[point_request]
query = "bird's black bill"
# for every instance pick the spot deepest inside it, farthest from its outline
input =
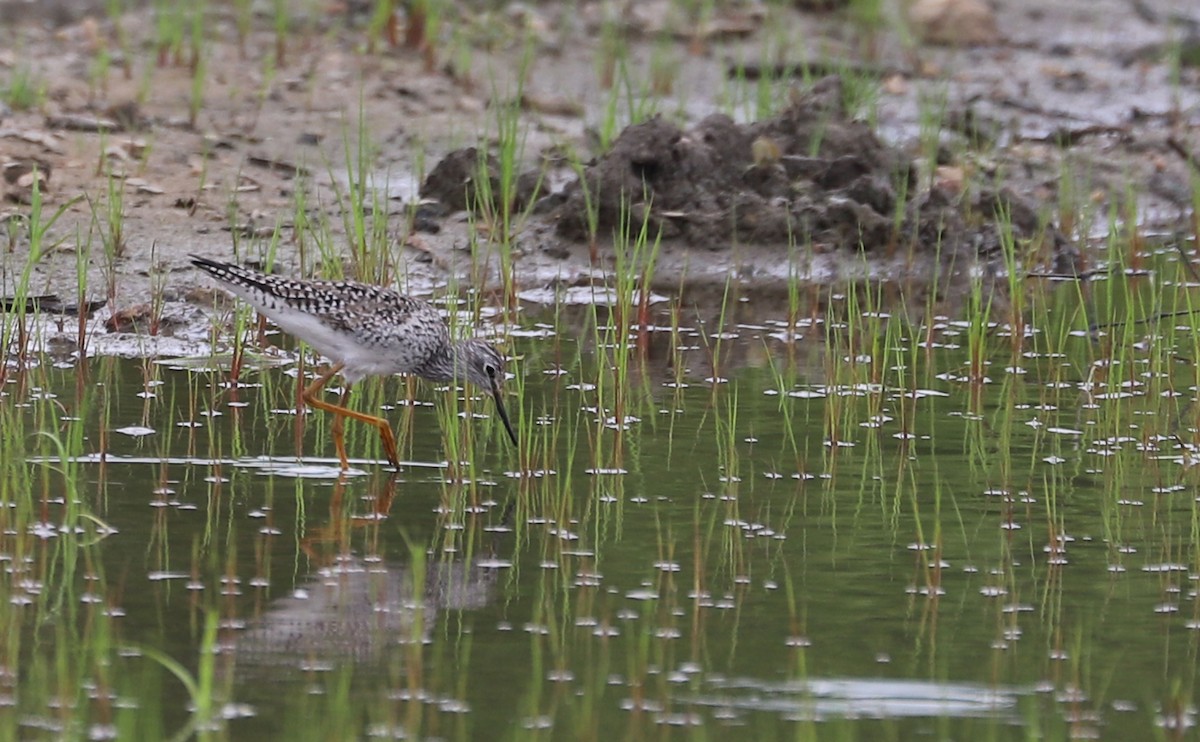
(512, 434)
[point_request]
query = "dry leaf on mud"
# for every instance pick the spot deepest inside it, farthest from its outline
(143, 186)
(954, 22)
(129, 318)
(20, 177)
(896, 85)
(662, 16)
(949, 178)
(82, 122)
(126, 149)
(551, 105)
(47, 140)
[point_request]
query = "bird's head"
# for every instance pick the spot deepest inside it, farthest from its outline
(480, 363)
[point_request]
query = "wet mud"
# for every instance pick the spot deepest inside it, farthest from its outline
(1078, 115)
(810, 178)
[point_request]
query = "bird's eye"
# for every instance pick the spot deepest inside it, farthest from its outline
(490, 370)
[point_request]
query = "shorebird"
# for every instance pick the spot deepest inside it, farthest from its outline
(365, 331)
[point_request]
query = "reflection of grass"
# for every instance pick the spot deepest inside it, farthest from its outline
(688, 550)
(616, 329)
(52, 543)
(201, 686)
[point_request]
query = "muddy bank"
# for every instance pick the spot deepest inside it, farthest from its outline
(808, 181)
(315, 160)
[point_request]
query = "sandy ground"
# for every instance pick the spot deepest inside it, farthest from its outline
(1081, 106)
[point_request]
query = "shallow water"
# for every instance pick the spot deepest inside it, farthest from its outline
(837, 537)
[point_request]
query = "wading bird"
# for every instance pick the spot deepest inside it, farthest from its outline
(365, 331)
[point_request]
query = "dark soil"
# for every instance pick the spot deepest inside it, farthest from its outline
(810, 177)
(826, 183)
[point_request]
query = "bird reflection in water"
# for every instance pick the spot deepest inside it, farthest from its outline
(356, 606)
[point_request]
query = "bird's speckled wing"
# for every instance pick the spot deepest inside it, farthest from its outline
(406, 330)
(372, 329)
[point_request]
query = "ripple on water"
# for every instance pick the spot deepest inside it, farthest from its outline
(853, 698)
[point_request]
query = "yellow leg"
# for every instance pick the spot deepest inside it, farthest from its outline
(341, 412)
(338, 430)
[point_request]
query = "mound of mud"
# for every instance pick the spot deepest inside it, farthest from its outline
(809, 177)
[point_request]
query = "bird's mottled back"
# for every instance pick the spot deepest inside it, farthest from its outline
(268, 292)
(371, 329)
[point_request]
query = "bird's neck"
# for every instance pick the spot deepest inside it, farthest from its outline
(442, 364)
